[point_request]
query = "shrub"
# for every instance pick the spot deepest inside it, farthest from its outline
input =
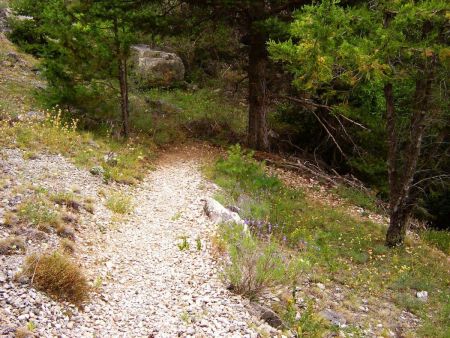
(240, 171)
(119, 203)
(12, 245)
(57, 275)
(257, 266)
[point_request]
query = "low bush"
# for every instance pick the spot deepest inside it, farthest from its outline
(39, 213)
(55, 274)
(240, 172)
(256, 266)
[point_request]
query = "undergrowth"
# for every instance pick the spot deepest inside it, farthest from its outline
(341, 249)
(55, 135)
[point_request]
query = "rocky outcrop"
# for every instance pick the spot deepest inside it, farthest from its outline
(153, 68)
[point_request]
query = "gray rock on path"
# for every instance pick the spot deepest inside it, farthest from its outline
(156, 68)
(219, 214)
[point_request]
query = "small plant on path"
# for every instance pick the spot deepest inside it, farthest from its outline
(184, 245)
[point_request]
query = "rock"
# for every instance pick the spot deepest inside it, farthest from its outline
(333, 317)
(5, 14)
(321, 286)
(219, 214)
(156, 68)
(266, 314)
(111, 159)
(97, 170)
(422, 295)
(32, 116)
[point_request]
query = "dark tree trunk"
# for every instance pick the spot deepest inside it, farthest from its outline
(123, 82)
(257, 91)
(403, 167)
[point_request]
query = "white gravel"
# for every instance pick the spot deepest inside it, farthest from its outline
(149, 287)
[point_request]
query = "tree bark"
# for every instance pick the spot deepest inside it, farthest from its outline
(257, 90)
(123, 82)
(401, 177)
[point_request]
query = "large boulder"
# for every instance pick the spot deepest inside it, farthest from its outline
(156, 68)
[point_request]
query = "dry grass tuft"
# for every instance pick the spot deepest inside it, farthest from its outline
(67, 246)
(12, 245)
(23, 332)
(65, 231)
(58, 276)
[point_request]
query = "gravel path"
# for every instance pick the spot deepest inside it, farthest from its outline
(156, 288)
(149, 286)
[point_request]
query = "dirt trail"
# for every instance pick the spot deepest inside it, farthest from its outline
(149, 286)
(156, 288)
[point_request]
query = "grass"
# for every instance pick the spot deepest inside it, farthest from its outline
(67, 199)
(12, 245)
(67, 246)
(358, 197)
(17, 82)
(184, 245)
(38, 212)
(119, 203)
(57, 275)
(56, 136)
(341, 249)
(204, 113)
(439, 239)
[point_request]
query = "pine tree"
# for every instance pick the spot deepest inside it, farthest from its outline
(402, 45)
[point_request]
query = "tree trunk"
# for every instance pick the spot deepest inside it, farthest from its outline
(257, 90)
(123, 82)
(401, 177)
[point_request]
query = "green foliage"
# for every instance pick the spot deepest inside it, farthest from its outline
(83, 45)
(184, 245)
(242, 172)
(256, 267)
(39, 213)
(335, 245)
(438, 238)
